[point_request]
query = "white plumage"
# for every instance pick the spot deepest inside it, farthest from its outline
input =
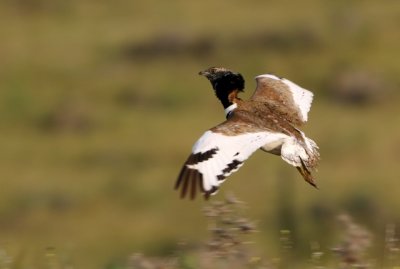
(231, 152)
(302, 97)
(234, 150)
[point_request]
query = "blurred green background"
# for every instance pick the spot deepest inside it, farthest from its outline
(100, 104)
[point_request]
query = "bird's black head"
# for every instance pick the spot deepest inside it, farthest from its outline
(224, 82)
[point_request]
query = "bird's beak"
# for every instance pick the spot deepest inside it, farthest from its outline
(204, 73)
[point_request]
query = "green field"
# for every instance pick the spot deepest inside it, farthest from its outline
(100, 104)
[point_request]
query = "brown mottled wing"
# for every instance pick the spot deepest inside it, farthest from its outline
(285, 96)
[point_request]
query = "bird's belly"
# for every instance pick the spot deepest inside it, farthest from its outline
(274, 144)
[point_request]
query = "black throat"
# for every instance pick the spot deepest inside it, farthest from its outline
(225, 84)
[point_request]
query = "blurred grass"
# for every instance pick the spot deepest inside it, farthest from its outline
(100, 103)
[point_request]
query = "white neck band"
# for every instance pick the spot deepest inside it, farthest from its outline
(229, 109)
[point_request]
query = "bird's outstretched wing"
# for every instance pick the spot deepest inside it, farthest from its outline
(286, 96)
(215, 156)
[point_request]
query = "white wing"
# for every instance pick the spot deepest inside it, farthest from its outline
(214, 157)
(285, 94)
(302, 97)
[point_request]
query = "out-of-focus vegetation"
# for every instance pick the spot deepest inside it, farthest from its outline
(100, 103)
(228, 248)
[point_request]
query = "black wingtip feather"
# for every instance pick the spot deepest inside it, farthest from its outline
(180, 178)
(192, 178)
(188, 178)
(189, 181)
(185, 180)
(193, 186)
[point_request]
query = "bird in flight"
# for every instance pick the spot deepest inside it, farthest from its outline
(268, 121)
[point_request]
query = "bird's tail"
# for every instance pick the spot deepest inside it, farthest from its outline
(312, 152)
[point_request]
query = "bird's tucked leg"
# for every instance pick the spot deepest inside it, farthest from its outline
(296, 155)
(306, 174)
